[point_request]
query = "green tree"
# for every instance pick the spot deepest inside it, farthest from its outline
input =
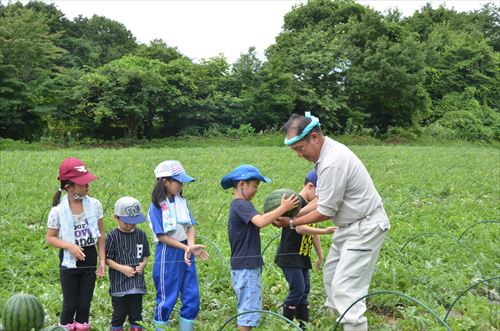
(28, 58)
(158, 50)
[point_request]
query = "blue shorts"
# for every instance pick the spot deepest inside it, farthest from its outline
(248, 288)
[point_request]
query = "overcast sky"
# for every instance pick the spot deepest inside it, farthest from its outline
(205, 28)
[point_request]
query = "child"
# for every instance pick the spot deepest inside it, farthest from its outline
(244, 238)
(75, 225)
(174, 269)
(127, 252)
(293, 257)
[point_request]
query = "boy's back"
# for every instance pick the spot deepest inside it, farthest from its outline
(244, 236)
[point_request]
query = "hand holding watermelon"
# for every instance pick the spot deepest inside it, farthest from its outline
(288, 199)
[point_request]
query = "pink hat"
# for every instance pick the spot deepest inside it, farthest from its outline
(75, 170)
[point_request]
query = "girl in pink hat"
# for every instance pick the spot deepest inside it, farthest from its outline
(75, 225)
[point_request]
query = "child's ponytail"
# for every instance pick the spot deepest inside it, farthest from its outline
(56, 199)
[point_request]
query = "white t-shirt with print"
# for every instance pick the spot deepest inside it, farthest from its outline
(83, 236)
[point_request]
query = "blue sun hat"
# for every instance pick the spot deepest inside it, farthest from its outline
(312, 177)
(307, 129)
(242, 172)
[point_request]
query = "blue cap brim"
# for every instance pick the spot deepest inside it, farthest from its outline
(133, 219)
(183, 178)
(229, 180)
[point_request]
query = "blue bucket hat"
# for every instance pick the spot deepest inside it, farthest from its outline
(242, 172)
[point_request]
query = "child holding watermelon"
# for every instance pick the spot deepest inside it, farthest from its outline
(244, 238)
(294, 257)
(174, 270)
(75, 225)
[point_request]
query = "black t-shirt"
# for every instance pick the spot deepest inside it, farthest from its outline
(127, 249)
(294, 250)
(244, 236)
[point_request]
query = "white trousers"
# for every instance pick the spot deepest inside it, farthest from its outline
(350, 264)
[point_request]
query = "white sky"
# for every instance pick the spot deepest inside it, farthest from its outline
(206, 28)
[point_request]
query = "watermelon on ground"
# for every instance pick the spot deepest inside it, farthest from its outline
(54, 328)
(22, 312)
(273, 201)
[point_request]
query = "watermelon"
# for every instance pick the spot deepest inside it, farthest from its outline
(54, 328)
(273, 201)
(22, 312)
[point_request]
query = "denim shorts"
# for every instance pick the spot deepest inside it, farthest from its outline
(247, 285)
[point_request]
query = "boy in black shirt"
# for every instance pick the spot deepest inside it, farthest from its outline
(244, 238)
(127, 252)
(294, 258)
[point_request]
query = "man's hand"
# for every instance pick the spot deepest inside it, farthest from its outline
(282, 222)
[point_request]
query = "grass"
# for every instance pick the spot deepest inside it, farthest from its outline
(426, 189)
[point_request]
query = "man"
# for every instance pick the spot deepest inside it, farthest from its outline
(345, 193)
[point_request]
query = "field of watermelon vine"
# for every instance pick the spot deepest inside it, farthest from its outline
(443, 203)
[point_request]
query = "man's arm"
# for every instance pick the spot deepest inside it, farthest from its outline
(312, 205)
(312, 217)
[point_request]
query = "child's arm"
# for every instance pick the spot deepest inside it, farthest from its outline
(101, 245)
(306, 229)
(319, 252)
(127, 270)
(267, 218)
(53, 239)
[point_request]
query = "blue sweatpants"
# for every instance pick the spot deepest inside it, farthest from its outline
(172, 276)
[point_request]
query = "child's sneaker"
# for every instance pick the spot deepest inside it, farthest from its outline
(82, 326)
(69, 326)
(136, 328)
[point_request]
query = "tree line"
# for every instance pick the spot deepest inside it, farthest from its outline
(359, 70)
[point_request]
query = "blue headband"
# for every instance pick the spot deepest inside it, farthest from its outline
(307, 129)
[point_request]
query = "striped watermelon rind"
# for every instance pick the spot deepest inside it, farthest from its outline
(54, 328)
(22, 312)
(273, 201)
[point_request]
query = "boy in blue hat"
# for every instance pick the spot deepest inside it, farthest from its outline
(244, 238)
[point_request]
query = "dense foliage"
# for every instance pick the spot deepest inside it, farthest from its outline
(359, 70)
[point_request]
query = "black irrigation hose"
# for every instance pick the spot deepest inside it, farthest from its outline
(226, 322)
(220, 208)
(43, 213)
(467, 290)
(473, 225)
(396, 293)
(219, 252)
(429, 233)
(269, 243)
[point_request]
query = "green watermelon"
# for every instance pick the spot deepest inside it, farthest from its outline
(273, 201)
(54, 328)
(22, 312)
